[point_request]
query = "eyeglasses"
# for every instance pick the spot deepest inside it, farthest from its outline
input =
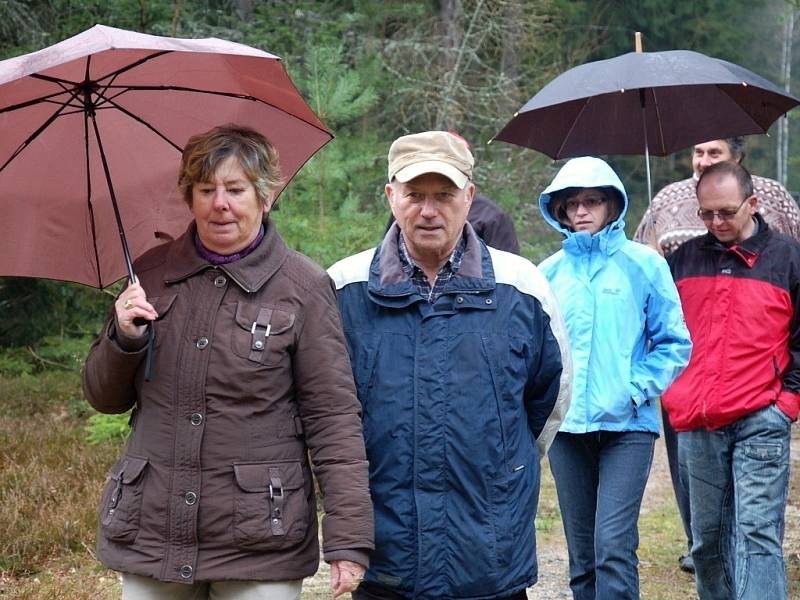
(589, 202)
(725, 214)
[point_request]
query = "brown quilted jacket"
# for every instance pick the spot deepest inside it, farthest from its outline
(250, 376)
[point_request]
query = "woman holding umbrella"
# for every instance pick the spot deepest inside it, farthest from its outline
(213, 496)
(628, 342)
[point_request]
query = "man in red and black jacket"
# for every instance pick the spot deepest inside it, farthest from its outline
(734, 404)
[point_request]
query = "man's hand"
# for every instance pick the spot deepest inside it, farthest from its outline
(345, 576)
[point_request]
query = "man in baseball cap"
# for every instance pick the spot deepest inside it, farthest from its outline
(430, 193)
(462, 368)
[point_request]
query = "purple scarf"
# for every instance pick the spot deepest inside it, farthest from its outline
(223, 259)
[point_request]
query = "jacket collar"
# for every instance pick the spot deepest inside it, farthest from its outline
(387, 278)
(249, 273)
(606, 241)
(749, 250)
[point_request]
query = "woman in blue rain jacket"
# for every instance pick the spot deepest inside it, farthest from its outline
(629, 342)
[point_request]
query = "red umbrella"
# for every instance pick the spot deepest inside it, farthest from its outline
(93, 128)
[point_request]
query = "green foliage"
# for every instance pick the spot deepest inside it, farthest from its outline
(49, 392)
(376, 70)
(35, 308)
(64, 352)
(15, 361)
(102, 428)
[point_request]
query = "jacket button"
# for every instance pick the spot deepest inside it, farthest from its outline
(202, 342)
(186, 571)
(196, 419)
(488, 301)
(220, 281)
(190, 498)
(459, 299)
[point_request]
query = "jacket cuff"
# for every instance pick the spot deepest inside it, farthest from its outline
(125, 342)
(789, 403)
(353, 555)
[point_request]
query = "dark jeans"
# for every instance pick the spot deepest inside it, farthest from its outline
(678, 474)
(600, 479)
(370, 591)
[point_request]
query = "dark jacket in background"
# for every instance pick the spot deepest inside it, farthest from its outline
(250, 374)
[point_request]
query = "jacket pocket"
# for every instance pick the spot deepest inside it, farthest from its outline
(363, 348)
(263, 335)
(491, 348)
(270, 510)
(162, 305)
(121, 502)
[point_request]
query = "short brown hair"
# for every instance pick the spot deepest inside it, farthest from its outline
(204, 152)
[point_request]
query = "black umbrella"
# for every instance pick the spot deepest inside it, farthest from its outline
(646, 103)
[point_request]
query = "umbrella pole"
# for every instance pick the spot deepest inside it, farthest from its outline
(649, 181)
(125, 252)
(646, 156)
(148, 369)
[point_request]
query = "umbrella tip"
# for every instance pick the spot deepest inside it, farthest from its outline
(637, 40)
(516, 113)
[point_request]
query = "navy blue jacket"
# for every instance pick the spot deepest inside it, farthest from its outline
(461, 398)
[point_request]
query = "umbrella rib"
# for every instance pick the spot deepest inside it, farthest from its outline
(113, 74)
(41, 99)
(139, 119)
(176, 88)
(663, 149)
(572, 127)
(723, 89)
(33, 136)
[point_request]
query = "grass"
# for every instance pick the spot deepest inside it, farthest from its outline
(51, 478)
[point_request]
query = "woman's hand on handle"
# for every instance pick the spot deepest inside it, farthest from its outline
(132, 304)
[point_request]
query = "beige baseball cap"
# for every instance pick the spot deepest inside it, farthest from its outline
(431, 152)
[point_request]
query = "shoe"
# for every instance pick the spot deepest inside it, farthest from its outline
(686, 563)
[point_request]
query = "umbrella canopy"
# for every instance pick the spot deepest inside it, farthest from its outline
(95, 125)
(646, 102)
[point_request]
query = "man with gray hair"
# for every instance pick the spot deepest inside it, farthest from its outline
(670, 221)
(462, 367)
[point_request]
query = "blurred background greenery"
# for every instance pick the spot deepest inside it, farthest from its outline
(376, 70)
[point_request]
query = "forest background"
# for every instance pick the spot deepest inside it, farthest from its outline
(372, 71)
(377, 70)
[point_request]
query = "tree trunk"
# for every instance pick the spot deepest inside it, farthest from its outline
(509, 61)
(244, 9)
(786, 75)
(451, 15)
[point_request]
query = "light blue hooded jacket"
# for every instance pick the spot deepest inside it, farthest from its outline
(622, 312)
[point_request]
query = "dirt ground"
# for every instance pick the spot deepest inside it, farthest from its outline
(658, 498)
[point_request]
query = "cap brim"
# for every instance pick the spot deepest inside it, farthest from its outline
(408, 173)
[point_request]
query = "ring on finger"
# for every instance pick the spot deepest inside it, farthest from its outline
(127, 304)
